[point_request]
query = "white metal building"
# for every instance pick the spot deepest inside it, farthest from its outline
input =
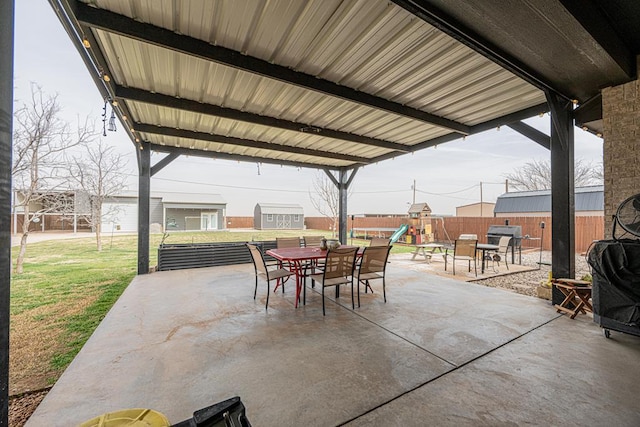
(170, 212)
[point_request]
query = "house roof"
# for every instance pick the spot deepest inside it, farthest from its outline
(340, 84)
(276, 208)
(177, 198)
(419, 208)
(188, 198)
(589, 198)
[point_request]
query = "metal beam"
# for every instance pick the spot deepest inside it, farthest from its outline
(240, 142)
(562, 191)
(163, 162)
(511, 118)
(332, 178)
(147, 33)
(481, 127)
(343, 182)
(6, 135)
(532, 133)
(434, 16)
(93, 59)
(144, 196)
(594, 20)
(589, 111)
(140, 95)
(236, 157)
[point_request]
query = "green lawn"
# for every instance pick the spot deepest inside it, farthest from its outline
(68, 287)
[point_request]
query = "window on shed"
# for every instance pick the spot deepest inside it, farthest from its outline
(296, 218)
(269, 217)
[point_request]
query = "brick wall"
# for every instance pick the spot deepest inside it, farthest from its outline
(621, 117)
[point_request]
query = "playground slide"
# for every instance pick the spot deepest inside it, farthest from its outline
(399, 232)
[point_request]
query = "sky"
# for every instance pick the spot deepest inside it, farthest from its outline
(450, 175)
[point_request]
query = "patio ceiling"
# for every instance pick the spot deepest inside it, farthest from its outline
(338, 84)
(329, 84)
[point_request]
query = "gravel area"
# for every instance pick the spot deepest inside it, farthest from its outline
(526, 282)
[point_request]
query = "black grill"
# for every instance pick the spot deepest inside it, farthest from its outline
(495, 232)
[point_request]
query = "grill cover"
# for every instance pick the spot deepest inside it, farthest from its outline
(616, 280)
(497, 231)
(505, 230)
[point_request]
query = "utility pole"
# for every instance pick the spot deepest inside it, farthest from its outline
(506, 185)
(414, 191)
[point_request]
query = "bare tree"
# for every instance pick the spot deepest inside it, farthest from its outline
(598, 173)
(326, 199)
(98, 172)
(536, 175)
(39, 142)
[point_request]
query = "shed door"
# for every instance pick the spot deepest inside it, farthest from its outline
(283, 221)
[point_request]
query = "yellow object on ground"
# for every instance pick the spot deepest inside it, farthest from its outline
(136, 417)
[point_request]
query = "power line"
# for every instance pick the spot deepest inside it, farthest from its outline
(451, 192)
(289, 190)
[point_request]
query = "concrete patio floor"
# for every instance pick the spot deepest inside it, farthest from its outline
(439, 352)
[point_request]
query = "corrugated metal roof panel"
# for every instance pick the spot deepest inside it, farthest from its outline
(372, 46)
(275, 208)
(590, 198)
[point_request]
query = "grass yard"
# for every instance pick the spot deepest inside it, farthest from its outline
(68, 287)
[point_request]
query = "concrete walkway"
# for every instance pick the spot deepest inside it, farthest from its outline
(35, 237)
(439, 352)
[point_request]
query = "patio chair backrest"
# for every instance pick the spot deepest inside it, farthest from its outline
(465, 248)
(503, 244)
(313, 241)
(258, 259)
(379, 241)
(340, 262)
(468, 237)
(287, 242)
(374, 259)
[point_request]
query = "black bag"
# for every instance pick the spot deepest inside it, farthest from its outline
(228, 413)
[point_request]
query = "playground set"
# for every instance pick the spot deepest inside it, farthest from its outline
(416, 231)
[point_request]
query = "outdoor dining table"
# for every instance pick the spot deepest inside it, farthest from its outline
(486, 247)
(298, 259)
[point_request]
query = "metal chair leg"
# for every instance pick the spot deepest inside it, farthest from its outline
(255, 291)
(384, 291)
(323, 313)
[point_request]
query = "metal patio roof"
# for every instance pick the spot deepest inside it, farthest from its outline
(337, 84)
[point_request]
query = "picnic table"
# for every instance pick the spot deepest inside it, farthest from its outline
(427, 250)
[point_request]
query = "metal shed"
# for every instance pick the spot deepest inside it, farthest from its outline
(589, 201)
(272, 216)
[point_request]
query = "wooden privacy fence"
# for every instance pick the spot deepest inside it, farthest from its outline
(588, 228)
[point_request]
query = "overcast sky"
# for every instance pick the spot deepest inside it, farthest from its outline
(446, 177)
